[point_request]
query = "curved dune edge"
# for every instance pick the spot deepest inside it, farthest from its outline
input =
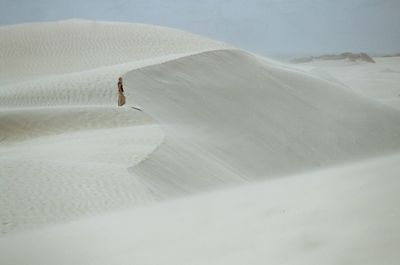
(65, 147)
(50, 176)
(229, 119)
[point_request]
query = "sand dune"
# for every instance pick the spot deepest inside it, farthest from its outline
(78, 62)
(256, 120)
(65, 146)
(40, 49)
(352, 57)
(80, 173)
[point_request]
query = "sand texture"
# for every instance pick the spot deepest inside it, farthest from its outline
(219, 156)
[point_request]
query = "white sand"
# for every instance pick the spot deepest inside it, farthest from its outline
(65, 146)
(77, 173)
(380, 80)
(255, 119)
(32, 50)
(342, 216)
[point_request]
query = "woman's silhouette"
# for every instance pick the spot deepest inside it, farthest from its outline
(121, 97)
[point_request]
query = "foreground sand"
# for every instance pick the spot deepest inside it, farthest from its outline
(235, 159)
(345, 216)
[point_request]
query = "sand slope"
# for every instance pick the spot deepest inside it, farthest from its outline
(255, 119)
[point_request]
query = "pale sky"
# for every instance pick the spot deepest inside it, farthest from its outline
(268, 27)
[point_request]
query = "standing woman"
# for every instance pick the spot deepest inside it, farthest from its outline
(121, 97)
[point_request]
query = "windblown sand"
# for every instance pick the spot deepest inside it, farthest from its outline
(234, 158)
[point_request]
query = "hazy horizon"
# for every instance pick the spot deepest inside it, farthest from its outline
(268, 27)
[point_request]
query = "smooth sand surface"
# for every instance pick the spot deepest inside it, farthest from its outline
(379, 80)
(234, 158)
(348, 215)
(256, 120)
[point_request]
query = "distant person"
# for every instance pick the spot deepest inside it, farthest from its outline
(121, 97)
